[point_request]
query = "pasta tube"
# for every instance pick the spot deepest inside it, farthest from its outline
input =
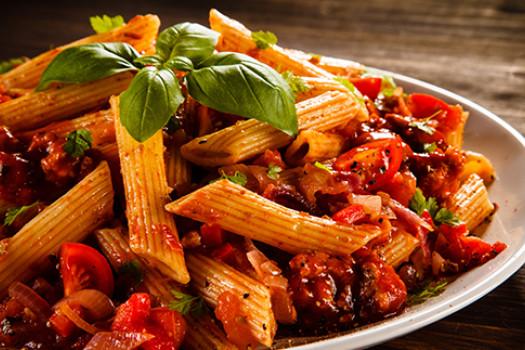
(311, 146)
(210, 278)
(202, 333)
(140, 32)
(238, 210)
(152, 230)
(248, 138)
(60, 102)
(71, 218)
(398, 249)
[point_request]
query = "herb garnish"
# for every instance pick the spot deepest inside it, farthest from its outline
(227, 82)
(238, 178)
(6, 66)
(321, 166)
(429, 147)
(77, 142)
(297, 84)
(105, 23)
(427, 290)
(422, 124)
(133, 269)
(264, 40)
(419, 204)
(14, 212)
(273, 171)
(347, 84)
(185, 303)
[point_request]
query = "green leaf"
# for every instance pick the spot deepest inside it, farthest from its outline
(445, 216)
(264, 40)
(185, 304)
(179, 63)
(6, 66)
(296, 84)
(238, 178)
(419, 204)
(423, 124)
(321, 166)
(105, 23)
(152, 60)
(429, 147)
(273, 171)
(90, 62)
(427, 290)
(133, 269)
(190, 40)
(149, 102)
(347, 84)
(14, 212)
(238, 84)
(77, 142)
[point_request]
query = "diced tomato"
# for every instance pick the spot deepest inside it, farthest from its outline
(136, 315)
(237, 329)
(84, 267)
(62, 325)
(423, 106)
(212, 235)
(376, 162)
(467, 251)
(226, 253)
(368, 86)
(401, 187)
(350, 214)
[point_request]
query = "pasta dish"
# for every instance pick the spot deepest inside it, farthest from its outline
(206, 188)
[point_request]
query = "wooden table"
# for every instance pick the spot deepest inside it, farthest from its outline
(473, 48)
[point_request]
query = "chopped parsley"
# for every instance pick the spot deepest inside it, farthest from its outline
(77, 142)
(429, 147)
(427, 290)
(133, 269)
(238, 178)
(6, 66)
(264, 40)
(105, 23)
(419, 204)
(14, 212)
(185, 303)
(321, 166)
(273, 171)
(423, 124)
(297, 84)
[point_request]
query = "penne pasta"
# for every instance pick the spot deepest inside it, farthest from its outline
(471, 202)
(211, 278)
(140, 32)
(237, 38)
(178, 169)
(71, 218)
(311, 146)
(336, 66)
(238, 210)
(152, 230)
(248, 138)
(202, 333)
(319, 86)
(60, 102)
(398, 249)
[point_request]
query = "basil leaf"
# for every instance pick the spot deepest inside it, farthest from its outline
(238, 84)
(147, 105)
(77, 142)
(6, 66)
(191, 40)
(90, 62)
(105, 23)
(264, 40)
(153, 60)
(179, 63)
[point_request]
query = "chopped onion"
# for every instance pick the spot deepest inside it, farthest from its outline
(117, 340)
(30, 299)
(371, 204)
(97, 303)
(408, 215)
(67, 311)
(437, 263)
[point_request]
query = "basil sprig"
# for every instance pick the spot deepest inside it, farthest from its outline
(228, 82)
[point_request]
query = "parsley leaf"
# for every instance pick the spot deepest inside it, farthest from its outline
(133, 269)
(429, 147)
(77, 142)
(105, 23)
(423, 124)
(14, 212)
(264, 40)
(347, 84)
(185, 303)
(321, 166)
(273, 171)
(238, 178)
(6, 66)
(297, 84)
(419, 204)
(426, 291)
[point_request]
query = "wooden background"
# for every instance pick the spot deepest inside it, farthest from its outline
(473, 48)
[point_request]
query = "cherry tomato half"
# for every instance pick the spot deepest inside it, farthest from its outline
(423, 106)
(368, 86)
(376, 162)
(82, 266)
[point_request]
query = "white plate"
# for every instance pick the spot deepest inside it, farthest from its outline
(505, 147)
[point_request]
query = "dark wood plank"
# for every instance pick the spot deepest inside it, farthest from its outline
(475, 48)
